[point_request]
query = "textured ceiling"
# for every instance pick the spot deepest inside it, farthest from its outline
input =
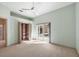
(40, 7)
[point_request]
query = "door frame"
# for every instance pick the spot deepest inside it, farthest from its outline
(20, 33)
(49, 32)
(49, 23)
(4, 22)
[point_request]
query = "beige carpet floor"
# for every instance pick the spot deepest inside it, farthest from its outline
(2, 43)
(37, 50)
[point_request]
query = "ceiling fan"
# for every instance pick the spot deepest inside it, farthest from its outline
(32, 8)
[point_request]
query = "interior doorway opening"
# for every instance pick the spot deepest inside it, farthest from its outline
(44, 32)
(24, 32)
(3, 33)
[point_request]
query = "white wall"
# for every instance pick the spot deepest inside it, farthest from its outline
(22, 20)
(77, 27)
(12, 31)
(12, 25)
(13, 28)
(62, 25)
(4, 12)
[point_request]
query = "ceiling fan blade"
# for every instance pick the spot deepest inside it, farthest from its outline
(25, 9)
(20, 10)
(30, 8)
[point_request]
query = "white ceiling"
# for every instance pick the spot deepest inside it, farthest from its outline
(40, 7)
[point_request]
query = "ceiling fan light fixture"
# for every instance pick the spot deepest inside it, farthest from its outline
(32, 8)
